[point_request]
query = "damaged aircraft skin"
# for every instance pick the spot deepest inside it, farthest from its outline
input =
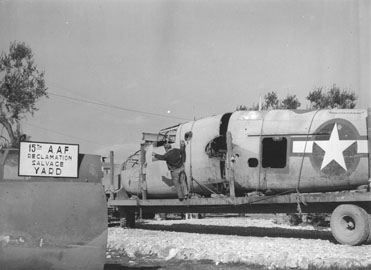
(266, 151)
(52, 223)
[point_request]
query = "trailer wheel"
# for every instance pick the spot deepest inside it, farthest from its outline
(350, 224)
(368, 241)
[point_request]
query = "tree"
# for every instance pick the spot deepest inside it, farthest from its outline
(254, 107)
(21, 86)
(319, 99)
(271, 101)
(290, 102)
(333, 98)
(241, 108)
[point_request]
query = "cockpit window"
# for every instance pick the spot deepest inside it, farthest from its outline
(167, 136)
(131, 161)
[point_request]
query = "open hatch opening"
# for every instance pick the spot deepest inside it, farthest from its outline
(217, 147)
(274, 152)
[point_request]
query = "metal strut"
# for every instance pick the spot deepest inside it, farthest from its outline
(298, 195)
(305, 148)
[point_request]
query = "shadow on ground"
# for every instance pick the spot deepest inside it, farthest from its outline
(112, 266)
(188, 265)
(240, 231)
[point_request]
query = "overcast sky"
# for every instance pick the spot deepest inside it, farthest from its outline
(158, 63)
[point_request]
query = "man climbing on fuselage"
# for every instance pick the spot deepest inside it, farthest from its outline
(175, 159)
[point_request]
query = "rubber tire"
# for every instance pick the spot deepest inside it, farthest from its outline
(368, 241)
(359, 234)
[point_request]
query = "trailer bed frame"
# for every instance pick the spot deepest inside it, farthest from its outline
(324, 202)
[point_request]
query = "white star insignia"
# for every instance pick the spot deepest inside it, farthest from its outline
(334, 149)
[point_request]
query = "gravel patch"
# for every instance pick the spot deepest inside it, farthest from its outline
(278, 247)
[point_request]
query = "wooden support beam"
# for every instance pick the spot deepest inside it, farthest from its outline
(142, 176)
(112, 175)
(152, 137)
(369, 145)
(230, 171)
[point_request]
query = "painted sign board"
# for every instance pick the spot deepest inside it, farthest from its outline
(48, 159)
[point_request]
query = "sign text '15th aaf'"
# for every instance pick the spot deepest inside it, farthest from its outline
(48, 159)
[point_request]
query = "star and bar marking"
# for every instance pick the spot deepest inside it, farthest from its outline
(333, 148)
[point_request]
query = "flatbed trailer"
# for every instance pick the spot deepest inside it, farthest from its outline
(287, 203)
(350, 219)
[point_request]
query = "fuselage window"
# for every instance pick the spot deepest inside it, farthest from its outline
(253, 162)
(274, 152)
